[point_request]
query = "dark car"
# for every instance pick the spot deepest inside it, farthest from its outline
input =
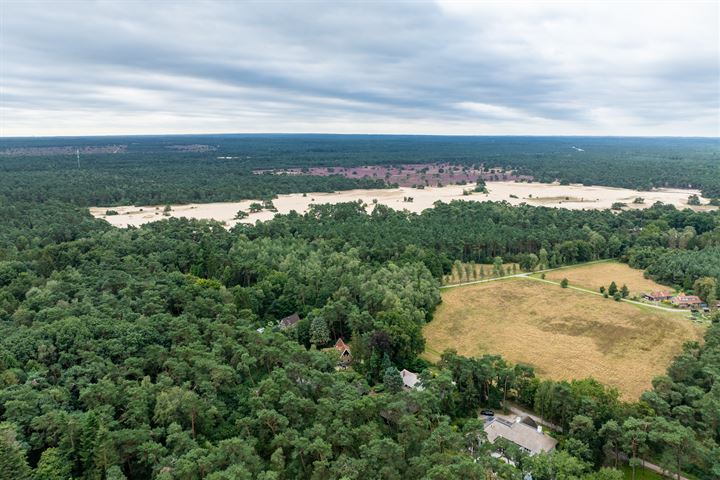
(487, 413)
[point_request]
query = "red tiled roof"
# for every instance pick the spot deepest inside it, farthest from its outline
(341, 346)
(687, 299)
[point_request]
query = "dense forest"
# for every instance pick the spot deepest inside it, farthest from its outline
(156, 170)
(152, 352)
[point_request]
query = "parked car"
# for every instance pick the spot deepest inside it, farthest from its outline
(487, 413)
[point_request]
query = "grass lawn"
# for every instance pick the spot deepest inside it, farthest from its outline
(601, 274)
(641, 474)
(563, 333)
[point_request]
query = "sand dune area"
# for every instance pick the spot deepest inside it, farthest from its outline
(412, 199)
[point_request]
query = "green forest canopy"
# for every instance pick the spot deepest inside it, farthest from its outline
(136, 353)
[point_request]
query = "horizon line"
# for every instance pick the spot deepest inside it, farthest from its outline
(217, 134)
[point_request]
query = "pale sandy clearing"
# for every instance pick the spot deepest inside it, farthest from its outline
(550, 195)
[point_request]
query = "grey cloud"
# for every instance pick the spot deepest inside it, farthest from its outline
(324, 66)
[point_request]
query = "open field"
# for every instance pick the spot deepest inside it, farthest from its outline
(563, 333)
(549, 195)
(596, 275)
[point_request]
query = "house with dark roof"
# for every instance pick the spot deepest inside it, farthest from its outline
(529, 438)
(288, 322)
(657, 296)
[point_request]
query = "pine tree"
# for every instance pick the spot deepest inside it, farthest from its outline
(624, 292)
(392, 380)
(612, 289)
(114, 473)
(319, 332)
(12, 457)
(543, 258)
(53, 465)
(498, 266)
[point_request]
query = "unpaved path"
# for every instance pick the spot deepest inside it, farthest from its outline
(530, 276)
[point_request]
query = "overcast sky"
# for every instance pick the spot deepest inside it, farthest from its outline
(557, 68)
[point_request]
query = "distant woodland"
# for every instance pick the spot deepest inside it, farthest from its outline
(153, 352)
(174, 169)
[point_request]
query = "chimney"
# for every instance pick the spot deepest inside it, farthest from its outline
(539, 428)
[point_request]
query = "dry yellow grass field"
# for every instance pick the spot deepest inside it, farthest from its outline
(563, 333)
(597, 275)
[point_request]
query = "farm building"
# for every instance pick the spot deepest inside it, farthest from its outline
(686, 301)
(288, 322)
(657, 296)
(410, 380)
(530, 439)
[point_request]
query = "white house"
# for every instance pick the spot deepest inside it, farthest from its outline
(529, 438)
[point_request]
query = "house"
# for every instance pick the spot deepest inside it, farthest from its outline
(530, 439)
(288, 322)
(686, 301)
(410, 380)
(657, 296)
(344, 350)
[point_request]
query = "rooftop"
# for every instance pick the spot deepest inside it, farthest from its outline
(289, 321)
(521, 434)
(410, 379)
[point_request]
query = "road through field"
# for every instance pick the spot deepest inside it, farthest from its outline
(529, 275)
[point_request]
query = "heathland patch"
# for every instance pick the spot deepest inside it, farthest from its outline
(562, 333)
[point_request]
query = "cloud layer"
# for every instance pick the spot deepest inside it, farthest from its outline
(562, 68)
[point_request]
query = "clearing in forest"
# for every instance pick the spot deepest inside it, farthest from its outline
(596, 275)
(562, 333)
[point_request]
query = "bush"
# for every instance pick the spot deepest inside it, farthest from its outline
(564, 283)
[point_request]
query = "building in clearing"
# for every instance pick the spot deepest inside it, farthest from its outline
(410, 380)
(658, 296)
(344, 350)
(686, 301)
(530, 439)
(288, 322)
